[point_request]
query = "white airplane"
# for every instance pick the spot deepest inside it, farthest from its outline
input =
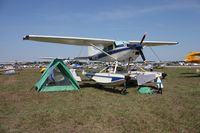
(65, 60)
(108, 50)
(8, 70)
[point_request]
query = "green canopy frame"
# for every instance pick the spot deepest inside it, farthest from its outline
(41, 86)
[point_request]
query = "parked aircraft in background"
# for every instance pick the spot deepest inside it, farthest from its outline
(8, 70)
(192, 57)
(10, 67)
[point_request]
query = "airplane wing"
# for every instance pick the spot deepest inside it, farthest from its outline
(52, 58)
(70, 40)
(154, 43)
(4, 70)
(79, 59)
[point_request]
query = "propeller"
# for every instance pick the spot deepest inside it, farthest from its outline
(142, 55)
(143, 38)
(139, 47)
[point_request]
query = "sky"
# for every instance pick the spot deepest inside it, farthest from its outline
(163, 20)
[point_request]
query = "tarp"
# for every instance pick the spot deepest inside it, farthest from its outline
(145, 90)
(152, 87)
(57, 77)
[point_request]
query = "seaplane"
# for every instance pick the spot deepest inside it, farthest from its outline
(106, 50)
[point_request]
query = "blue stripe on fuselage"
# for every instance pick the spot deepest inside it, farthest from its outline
(116, 78)
(101, 55)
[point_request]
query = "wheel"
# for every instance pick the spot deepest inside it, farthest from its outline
(123, 91)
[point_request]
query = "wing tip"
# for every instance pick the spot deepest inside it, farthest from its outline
(26, 37)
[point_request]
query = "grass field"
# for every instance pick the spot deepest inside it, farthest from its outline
(93, 110)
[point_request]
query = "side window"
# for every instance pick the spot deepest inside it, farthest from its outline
(121, 45)
(110, 47)
(137, 53)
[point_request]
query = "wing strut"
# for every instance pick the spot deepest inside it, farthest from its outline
(116, 61)
(103, 51)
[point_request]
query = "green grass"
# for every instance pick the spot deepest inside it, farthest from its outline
(94, 110)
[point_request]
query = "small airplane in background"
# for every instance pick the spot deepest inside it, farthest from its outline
(192, 57)
(8, 70)
(65, 60)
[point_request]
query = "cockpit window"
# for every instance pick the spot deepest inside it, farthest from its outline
(120, 43)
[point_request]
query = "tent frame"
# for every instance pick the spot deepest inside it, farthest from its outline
(56, 63)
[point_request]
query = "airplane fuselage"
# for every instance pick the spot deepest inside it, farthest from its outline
(122, 54)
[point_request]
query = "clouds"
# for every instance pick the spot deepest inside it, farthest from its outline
(129, 12)
(124, 12)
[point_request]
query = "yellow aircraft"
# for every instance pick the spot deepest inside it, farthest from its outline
(193, 57)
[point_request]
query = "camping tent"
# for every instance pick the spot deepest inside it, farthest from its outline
(57, 77)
